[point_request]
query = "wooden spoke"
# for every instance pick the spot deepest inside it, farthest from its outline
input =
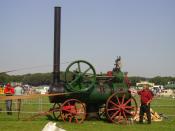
(128, 112)
(113, 103)
(129, 107)
(119, 118)
(124, 115)
(129, 100)
(115, 114)
(118, 100)
(123, 98)
(76, 119)
(70, 119)
(113, 109)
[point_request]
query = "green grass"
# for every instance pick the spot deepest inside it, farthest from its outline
(11, 123)
(168, 125)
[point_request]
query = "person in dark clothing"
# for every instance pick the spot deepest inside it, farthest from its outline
(117, 65)
(146, 97)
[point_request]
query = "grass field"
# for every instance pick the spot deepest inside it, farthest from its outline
(11, 123)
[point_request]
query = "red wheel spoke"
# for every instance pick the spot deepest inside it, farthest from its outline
(128, 101)
(112, 109)
(128, 112)
(129, 107)
(118, 100)
(113, 103)
(76, 119)
(115, 114)
(70, 119)
(119, 117)
(68, 110)
(75, 108)
(124, 115)
(63, 117)
(123, 98)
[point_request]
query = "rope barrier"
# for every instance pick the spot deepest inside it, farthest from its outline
(31, 96)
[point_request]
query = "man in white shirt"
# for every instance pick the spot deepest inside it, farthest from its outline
(18, 91)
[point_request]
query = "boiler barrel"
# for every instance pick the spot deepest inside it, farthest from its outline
(100, 94)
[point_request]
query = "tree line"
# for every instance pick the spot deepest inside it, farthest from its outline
(46, 78)
(158, 80)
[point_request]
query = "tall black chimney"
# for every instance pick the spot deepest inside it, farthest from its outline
(57, 39)
(57, 85)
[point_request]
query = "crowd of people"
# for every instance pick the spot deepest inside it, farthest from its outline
(10, 91)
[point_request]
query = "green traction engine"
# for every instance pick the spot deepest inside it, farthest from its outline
(88, 95)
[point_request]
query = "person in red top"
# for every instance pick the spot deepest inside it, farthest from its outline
(146, 97)
(9, 91)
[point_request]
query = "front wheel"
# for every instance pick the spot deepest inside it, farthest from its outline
(73, 110)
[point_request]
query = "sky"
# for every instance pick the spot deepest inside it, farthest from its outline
(142, 32)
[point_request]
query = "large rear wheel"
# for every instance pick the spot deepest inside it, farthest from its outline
(121, 108)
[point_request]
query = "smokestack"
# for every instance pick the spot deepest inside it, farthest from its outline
(57, 39)
(57, 85)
